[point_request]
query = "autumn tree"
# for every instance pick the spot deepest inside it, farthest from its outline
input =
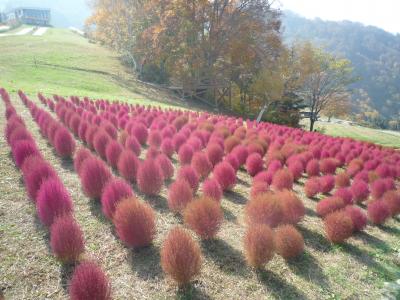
(338, 107)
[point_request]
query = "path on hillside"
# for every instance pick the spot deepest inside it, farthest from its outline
(38, 32)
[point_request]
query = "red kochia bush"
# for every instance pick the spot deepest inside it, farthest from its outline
(282, 179)
(89, 282)
(328, 165)
(128, 165)
(179, 195)
(266, 209)
(36, 176)
(20, 133)
(293, 208)
(392, 199)
(22, 149)
(327, 183)
(357, 216)
(212, 189)
(189, 174)
(378, 212)
(94, 176)
(64, 143)
(241, 153)
(254, 164)
(258, 187)
(312, 168)
(312, 187)
(150, 177)
(289, 243)
(154, 139)
(201, 164)
(114, 191)
(165, 165)
(133, 144)
(342, 180)
(297, 169)
(180, 256)
(345, 194)
(100, 142)
(31, 162)
(258, 245)
(233, 161)
(360, 190)
(378, 188)
(225, 175)
(204, 216)
(139, 131)
(214, 153)
(135, 222)
(338, 226)
(185, 154)
(66, 239)
(167, 147)
(113, 151)
(329, 205)
(80, 156)
(53, 200)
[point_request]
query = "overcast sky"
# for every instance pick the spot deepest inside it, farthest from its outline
(381, 13)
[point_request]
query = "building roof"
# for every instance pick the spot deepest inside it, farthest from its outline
(32, 8)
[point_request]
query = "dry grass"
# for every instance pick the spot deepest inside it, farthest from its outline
(355, 270)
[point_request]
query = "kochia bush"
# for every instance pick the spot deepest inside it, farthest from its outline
(150, 177)
(166, 166)
(212, 189)
(312, 187)
(289, 242)
(266, 209)
(293, 208)
(338, 226)
(378, 211)
(128, 165)
(283, 179)
(201, 164)
(113, 151)
(329, 205)
(358, 217)
(180, 194)
(22, 149)
(225, 175)
(64, 143)
(114, 191)
(254, 164)
(80, 156)
(258, 245)
(94, 176)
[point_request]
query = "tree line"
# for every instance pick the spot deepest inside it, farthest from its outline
(202, 44)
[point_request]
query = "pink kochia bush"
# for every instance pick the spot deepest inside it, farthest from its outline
(345, 194)
(35, 176)
(113, 151)
(327, 183)
(360, 190)
(212, 189)
(201, 164)
(189, 174)
(312, 187)
(378, 188)
(312, 168)
(66, 239)
(328, 165)
(80, 156)
(64, 143)
(53, 200)
(283, 179)
(135, 222)
(94, 176)
(378, 212)
(329, 205)
(185, 154)
(179, 195)
(166, 166)
(392, 199)
(357, 216)
(258, 187)
(128, 165)
(225, 175)
(89, 282)
(214, 153)
(22, 149)
(254, 164)
(150, 177)
(100, 142)
(114, 191)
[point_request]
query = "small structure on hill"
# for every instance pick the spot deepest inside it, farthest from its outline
(30, 15)
(3, 17)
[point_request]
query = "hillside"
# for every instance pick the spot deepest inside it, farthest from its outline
(374, 53)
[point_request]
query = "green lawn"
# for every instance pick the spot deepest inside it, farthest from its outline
(65, 63)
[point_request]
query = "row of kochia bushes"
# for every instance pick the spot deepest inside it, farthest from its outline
(54, 205)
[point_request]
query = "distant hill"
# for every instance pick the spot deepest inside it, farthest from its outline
(375, 55)
(64, 13)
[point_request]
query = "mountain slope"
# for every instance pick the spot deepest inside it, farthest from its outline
(375, 55)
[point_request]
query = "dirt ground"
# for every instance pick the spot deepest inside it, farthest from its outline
(354, 270)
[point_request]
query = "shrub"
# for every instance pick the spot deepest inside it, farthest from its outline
(258, 187)
(114, 191)
(327, 183)
(64, 143)
(180, 256)
(214, 153)
(266, 209)
(31, 162)
(66, 239)
(233, 161)
(342, 180)
(392, 199)
(132, 144)
(89, 135)
(185, 154)
(80, 156)
(378, 211)
(328, 165)
(254, 164)
(22, 149)
(128, 165)
(189, 174)
(241, 153)
(212, 189)
(338, 226)
(166, 166)
(113, 151)
(225, 175)
(329, 205)
(100, 142)
(139, 131)
(53, 200)
(360, 190)
(292, 206)
(134, 222)
(230, 143)
(19, 134)
(312, 187)
(94, 176)
(204, 216)
(89, 282)
(167, 147)
(258, 245)
(152, 153)
(357, 216)
(201, 164)
(296, 168)
(36, 176)
(289, 243)
(378, 188)
(312, 168)
(155, 139)
(179, 195)
(345, 194)
(150, 177)
(283, 179)
(178, 140)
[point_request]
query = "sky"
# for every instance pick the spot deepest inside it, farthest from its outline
(384, 14)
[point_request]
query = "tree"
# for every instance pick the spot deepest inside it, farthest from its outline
(325, 78)
(338, 107)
